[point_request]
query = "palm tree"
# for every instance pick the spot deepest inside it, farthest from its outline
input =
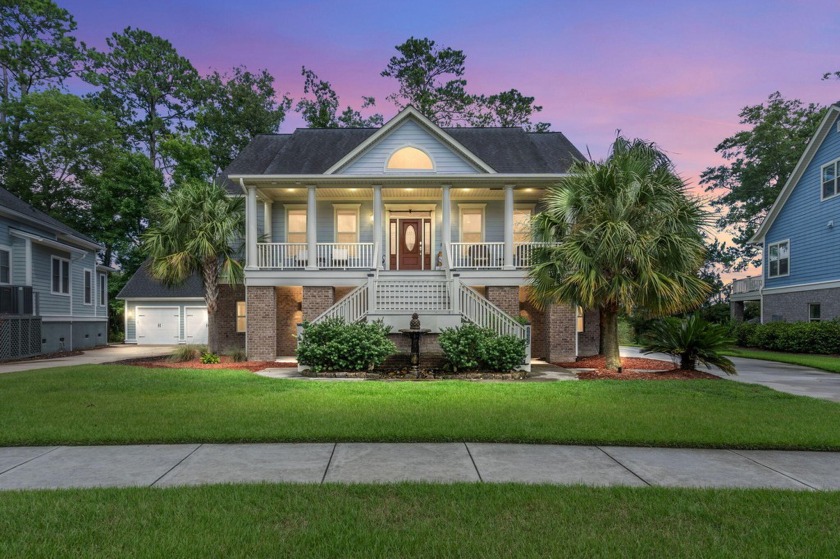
(627, 237)
(692, 339)
(194, 228)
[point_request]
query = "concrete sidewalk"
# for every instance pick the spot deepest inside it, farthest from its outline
(196, 464)
(793, 379)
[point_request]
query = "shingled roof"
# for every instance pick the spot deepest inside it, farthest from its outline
(142, 284)
(12, 202)
(311, 151)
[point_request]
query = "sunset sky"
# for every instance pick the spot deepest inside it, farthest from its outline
(673, 72)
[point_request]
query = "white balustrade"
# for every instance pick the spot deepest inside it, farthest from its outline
(523, 253)
(294, 256)
(476, 255)
(411, 295)
(482, 312)
(282, 256)
(351, 308)
(747, 285)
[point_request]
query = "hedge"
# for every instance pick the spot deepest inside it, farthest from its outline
(791, 337)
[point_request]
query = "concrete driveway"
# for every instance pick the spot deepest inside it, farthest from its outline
(90, 357)
(793, 379)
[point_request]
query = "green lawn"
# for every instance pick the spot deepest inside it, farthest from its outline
(829, 363)
(408, 520)
(101, 404)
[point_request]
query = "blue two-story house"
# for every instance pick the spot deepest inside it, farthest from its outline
(800, 237)
(53, 295)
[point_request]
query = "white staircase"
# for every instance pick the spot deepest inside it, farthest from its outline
(438, 296)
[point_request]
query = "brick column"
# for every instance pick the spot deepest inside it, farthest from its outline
(261, 337)
(229, 338)
(316, 300)
(736, 311)
(589, 340)
(560, 333)
(505, 297)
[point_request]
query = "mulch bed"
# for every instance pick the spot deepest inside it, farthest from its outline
(633, 368)
(227, 363)
(423, 374)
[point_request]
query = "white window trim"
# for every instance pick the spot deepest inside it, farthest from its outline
(8, 249)
(418, 148)
(102, 290)
(461, 208)
(788, 258)
(336, 209)
(88, 272)
(836, 164)
(61, 277)
(288, 207)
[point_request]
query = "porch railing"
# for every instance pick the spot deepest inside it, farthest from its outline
(409, 295)
(295, 256)
(351, 308)
(523, 253)
(747, 285)
(476, 255)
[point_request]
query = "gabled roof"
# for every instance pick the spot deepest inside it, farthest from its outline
(27, 212)
(808, 156)
(143, 286)
(315, 151)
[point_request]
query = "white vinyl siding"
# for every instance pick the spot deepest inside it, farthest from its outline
(778, 259)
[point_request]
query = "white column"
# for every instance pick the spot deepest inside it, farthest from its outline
(508, 260)
(251, 228)
(445, 218)
(311, 228)
(378, 245)
(267, 220)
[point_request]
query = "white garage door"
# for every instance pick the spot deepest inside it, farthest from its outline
(195, 326)
(158, 325)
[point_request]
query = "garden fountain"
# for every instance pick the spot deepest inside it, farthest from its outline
(414, 332)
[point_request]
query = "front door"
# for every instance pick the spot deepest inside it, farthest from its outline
(410, 244)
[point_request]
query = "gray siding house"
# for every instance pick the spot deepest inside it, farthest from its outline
(375, 224)
(53, 295)
(800, 237)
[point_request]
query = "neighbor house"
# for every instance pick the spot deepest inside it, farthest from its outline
(375, 224)
(53, 295)
(800, 239)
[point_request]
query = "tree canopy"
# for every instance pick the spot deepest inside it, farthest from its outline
(759, 160)
(321, 105)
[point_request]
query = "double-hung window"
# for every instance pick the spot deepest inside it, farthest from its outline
(103, 290)
(88, 287)
(5, 266)
(830, 179)
(347, 224)
(296, 226)
(241, 316)
(522, 225)
(472, 224)
(778, 259)
(60, 275)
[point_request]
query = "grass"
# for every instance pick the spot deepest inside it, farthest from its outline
(414, 520)
(99, 404)
(830, 363)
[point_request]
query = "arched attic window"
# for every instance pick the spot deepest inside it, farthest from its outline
(409, 159)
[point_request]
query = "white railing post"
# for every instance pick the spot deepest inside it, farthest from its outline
(267, 220)
(455, 293)
(377, 221)
(371, 292)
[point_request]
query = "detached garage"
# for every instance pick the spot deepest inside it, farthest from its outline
(159, 315)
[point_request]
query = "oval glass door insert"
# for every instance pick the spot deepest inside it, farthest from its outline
(410, 238)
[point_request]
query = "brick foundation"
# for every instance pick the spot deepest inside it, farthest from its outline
(262, 323)
(289, 315)
(316, 300)
(793, 307)
(229, 338)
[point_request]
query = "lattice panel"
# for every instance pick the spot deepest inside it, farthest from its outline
(19, 337)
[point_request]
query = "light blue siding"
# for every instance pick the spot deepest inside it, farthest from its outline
(814, 247)
(50, 304)
(373, 161)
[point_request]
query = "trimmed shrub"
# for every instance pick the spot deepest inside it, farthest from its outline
(470, 348)
(333, 345)
(461, 346)
(501, 354)
(238, 355)
(187, 353)
(210, 359)
(692, 339)
(791, 337)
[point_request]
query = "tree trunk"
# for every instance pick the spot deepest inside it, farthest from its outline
(601, 322)
(688, 362)
(210, 276)
(610, 337)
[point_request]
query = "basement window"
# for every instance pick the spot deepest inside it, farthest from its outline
(814, 312)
